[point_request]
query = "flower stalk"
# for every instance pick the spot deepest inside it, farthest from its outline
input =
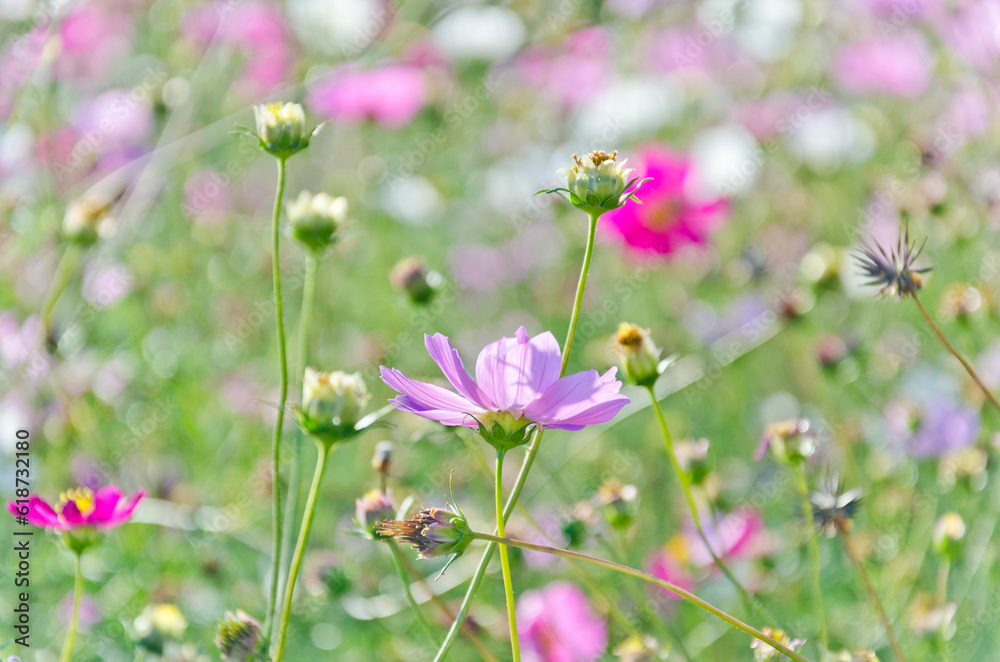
(807, 513)
(276, 515)
(752, 602)
(67, 651)
(508, 583)
(322, 459)
(617, 567)
(872, 593)
(397, 559)
(60, 281)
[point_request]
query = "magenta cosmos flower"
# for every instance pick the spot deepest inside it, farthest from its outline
(517, 384)
(80, 508)
(391, 95)
(671, 217)
(558, 625)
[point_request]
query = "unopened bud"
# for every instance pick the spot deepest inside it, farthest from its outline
(949, 532)
(382, 459)
(332, 402)
(637, 355)
(410, 276)
(371, 509)
(238, 635)
(314, 220)
(86, 218)
(617, 502)
(791, 442)
(281, 128)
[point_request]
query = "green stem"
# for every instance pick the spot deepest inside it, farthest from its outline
(580, 287)
(529, 458)
(302, 358)
(276, 516)
(872, 594)
(751, 601)
(940, 599)
(508, 584)
(60, 280)
(67, 651)
(677, 590)
(817, 580)
(397, 559)
(965, 364)
(300, 548)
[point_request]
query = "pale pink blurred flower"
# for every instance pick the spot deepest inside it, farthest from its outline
(740, 534)
(114, 120)
(973, 32)
(257, 29)
(671, 216)
(676, 50)
(899, 65)
(557, 624)
(899, 11)
(17, 64)
(486, 268)
(94, 39)
(572, 72)
(931, 427)
(389, 94)
(90, 611)
(663, 563)
(970, 112)
(105, 285)
(206, 196)
(22, 345)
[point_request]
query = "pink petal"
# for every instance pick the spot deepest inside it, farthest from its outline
(424, 396)
(583, 398)
(450, 362)
(72, 516)
(123, 513)
(40, 514)
(105, 502)
(513, 372)
(446, 417)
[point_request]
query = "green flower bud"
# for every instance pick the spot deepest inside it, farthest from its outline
(281, 128)
(637, 355)
(411, 277)
(949, 533)
(617, 502)
(86, 218)
(314, 220)
(372, 509)
(238, 636)
(333, 397)
(597, 183)
(791, 442)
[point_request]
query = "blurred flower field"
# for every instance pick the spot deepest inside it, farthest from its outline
(544, 330)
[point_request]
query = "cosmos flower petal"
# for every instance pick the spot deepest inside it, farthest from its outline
(40, 514)
(448, 359)
(105, 502)
(520, 371)
(584, 398)
(71, 515)
(489, 374)
(443, 416)
(124, 512)
(427, 396)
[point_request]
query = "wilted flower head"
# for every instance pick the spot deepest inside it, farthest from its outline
(281, 128)
(371, 509)
(332, 403)
(517, 385)
(597, 182)
(894, 271)
(949, 531)
(79, 508)
(833, 507)
(238, 635)
(790, 441)
(433, 532)
(637, 354)
(411, 277)
(85, 217)
(764, 651)
(315, 219)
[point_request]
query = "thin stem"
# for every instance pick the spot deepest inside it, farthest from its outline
(677, 590)
(580, 287)
(508, 584)
(60, 280)
(751, 601)
(807, 513)
(276, 515)
(954, 352)
(940, 599)
(872, 594)
(302, 358)
(397, 559)
(300, 548)
(67, 651)
(529, 458)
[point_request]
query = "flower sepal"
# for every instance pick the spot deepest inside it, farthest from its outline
(79, 539)
(504, 432)
(598, 183)
(281, 129)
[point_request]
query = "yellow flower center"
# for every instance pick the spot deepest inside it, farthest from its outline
(630, 336)
(83, 498)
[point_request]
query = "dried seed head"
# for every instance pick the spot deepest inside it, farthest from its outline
(893, 271)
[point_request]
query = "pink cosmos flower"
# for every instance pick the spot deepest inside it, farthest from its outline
(80, 508)
(557, 624)
(517, 380)
(573, 73)
(739, 534)
(94, 39)
(663, 563)
(899, 65)
(671, 217)
(391, 95)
